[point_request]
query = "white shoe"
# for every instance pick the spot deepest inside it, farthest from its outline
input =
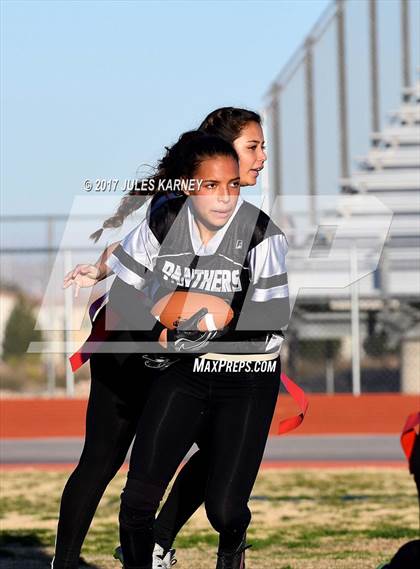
(161, 561)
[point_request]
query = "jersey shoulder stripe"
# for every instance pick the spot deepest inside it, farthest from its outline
(130, 263)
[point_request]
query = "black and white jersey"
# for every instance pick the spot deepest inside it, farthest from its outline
(243, 263)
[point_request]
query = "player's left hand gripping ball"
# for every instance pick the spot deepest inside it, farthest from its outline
(187, 337)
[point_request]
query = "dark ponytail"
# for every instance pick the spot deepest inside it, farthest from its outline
(180, 161)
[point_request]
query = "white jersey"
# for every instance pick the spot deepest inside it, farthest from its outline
(243, 263)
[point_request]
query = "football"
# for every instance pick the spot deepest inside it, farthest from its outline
(181, 305)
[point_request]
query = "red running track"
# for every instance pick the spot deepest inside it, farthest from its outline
(327, 414)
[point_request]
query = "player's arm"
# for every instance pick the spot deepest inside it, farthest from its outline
(104, 270)
(133, 261)
(267, 306)
(84, 276)
(133, 307)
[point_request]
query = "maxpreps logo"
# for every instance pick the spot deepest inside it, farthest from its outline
(216, 280)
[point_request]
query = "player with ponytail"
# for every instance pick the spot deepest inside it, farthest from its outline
(219, 390)
(117, 390)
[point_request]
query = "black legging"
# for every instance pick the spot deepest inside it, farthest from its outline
(235, 410)
(119, 389)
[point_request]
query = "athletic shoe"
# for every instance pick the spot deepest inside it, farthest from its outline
(160, 561)
(233, 559)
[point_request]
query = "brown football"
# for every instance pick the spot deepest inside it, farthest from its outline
(181, 305)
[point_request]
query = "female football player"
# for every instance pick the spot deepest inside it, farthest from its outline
(214, 242)
(115, 405)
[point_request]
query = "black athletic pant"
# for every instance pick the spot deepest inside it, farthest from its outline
(235, 410)
(119, 388)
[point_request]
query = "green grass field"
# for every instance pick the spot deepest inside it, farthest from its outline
(323, 519)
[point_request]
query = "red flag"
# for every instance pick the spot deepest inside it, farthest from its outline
(408, 435)
(299, 396)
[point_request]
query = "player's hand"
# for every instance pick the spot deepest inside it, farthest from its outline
(187, 337)
(82, 276)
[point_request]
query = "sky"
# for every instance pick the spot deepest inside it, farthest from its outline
(93, 90)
